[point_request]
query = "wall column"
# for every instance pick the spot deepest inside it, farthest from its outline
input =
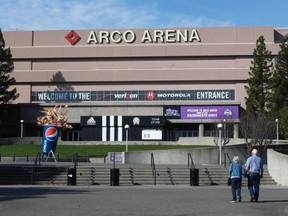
(201, 130)
(236, 131)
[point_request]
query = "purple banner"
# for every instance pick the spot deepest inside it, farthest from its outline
(209, 112)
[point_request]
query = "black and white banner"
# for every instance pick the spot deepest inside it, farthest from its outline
(112, 128)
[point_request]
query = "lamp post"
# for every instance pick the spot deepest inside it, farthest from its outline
(21, 122)
(277, 130)
(127, 128)
(220, 126)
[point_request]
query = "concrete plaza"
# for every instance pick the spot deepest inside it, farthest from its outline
(138, 200)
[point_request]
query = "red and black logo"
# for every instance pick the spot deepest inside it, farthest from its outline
(72, 37)
(150, 95)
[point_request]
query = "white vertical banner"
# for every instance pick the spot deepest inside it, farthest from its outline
(120, 138)
(112, 129)
(104, 133)
(119, 121)
(104, 128)
(111, 119)
(104, 121)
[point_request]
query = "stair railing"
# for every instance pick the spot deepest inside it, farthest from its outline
(154, 174)
(226, 156)
(76, 160)
(37, 160)
(170, 175)
(209, 176)
(36, 165)
(191, 164)
(131, 172)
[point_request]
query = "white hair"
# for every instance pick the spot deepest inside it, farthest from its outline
(254, 152)
(236, 159)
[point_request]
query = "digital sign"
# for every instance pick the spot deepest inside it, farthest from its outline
(209, 112)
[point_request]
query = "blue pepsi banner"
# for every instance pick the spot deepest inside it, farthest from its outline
(49, 138)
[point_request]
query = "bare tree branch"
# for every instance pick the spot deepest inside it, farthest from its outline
(227, 132)
(258, 131)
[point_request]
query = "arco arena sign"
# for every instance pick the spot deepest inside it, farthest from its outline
(147, 36)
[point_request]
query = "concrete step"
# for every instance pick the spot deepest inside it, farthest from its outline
(50, 175)
(15, 175)
(219, 175)
(128, 175)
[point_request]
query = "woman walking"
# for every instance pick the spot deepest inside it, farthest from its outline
(236, 171)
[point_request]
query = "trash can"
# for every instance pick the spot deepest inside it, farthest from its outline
(114, 177)
(194, 177)
(71, 176)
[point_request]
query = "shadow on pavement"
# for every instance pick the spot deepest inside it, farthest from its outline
(14, 193)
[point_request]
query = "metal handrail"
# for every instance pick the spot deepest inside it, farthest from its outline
(225, 159)
(153, 168)
(37, 160)
(190, 161)
(34, 169)
(76, 160)
(104, 157)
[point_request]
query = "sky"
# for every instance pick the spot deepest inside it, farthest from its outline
(128, 14)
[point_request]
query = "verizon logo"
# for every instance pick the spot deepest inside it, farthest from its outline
(126, 96)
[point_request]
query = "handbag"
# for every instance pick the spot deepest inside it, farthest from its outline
(229, 181)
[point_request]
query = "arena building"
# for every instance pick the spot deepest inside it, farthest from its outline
(163, 83)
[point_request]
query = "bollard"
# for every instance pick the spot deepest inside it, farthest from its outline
(194, 177)
(13, 157)
(114, 177)
(71, 176)
(27, 157)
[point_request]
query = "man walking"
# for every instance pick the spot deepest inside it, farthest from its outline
(254, 168)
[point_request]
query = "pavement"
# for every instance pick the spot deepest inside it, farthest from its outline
(138, 201)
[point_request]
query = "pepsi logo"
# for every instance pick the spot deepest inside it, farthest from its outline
(51, 134)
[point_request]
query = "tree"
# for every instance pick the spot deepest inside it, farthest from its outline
(258, 131)
(7, 95)
(283, 122)
(227, 132)
(279, 85)
(256, 126)
(258, 89)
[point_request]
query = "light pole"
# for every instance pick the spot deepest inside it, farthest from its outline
(127, 128)
(220, 126)
(21, 122)
(277, 130)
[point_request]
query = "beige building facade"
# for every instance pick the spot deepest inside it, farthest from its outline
(163, 83)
